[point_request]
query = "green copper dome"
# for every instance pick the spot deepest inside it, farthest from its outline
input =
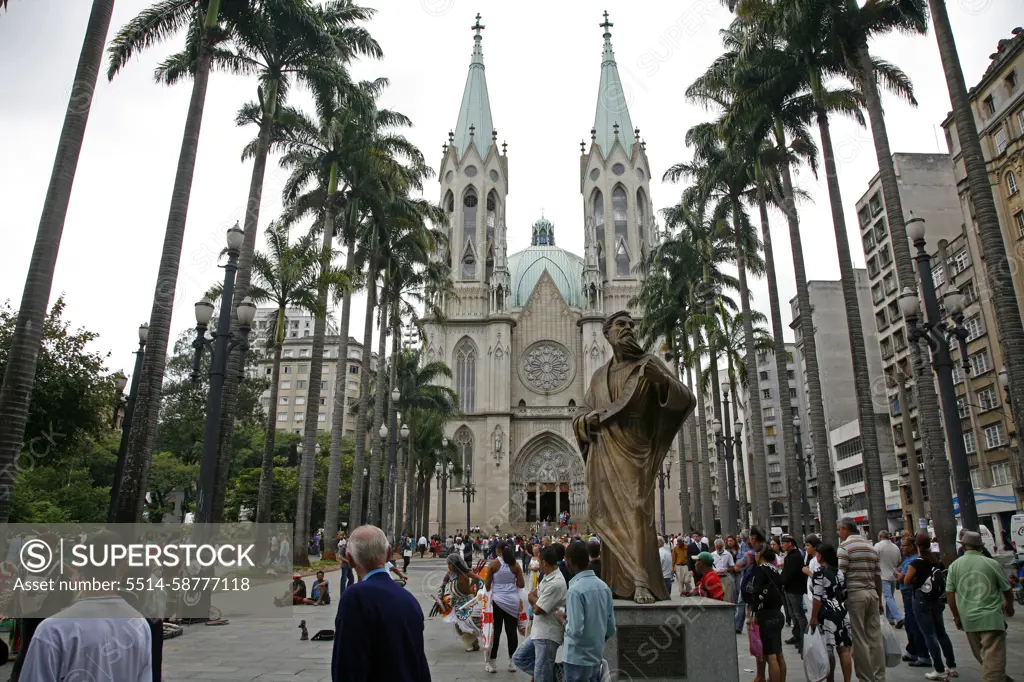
(565, 269)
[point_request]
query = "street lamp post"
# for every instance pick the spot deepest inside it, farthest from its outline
(664, 479)
(126, 423)
(400, 501)
(468, 494)
(366, 482)
(389, 489)
(737, 429)
(223, 343)
(444, 474)
(724, 435)
(939, 334)
(805, 508)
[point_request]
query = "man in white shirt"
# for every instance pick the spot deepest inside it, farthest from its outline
(422, 545)
(723, 562)
(99, 637)
(889, 558)
(665, 556)
(536, 656)
(285, 551)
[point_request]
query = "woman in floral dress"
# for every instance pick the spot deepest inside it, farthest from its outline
(828, 585)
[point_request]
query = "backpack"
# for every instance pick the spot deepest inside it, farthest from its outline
(933, 589)
(747, 581)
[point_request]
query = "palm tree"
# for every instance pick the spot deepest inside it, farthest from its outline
(308, 44)
(422, 398)
(994, 251)
(285, 276)
(19, 376)
(208, 23)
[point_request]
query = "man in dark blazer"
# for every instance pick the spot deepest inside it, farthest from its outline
(379, 627)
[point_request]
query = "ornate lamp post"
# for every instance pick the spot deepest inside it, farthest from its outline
(366, 482)
(126, 422)
(664, 479)
(444, 474)
(468, 494)
(392, 470)
(223, 343)
(737, 429)
(940, 334)
(400, 485)
(805, 508)
(732, 511)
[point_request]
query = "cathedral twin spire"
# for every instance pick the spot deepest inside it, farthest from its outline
(611, 121)
(475, 125)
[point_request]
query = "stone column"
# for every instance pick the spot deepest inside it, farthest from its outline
(558, 500)
(536, 505)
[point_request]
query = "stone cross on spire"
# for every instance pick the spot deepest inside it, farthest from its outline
(606, 25)
(479, 27)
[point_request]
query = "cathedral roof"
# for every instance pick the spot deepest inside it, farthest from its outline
(565, 269)
(612, 109)
(475, 111)
(543, 233)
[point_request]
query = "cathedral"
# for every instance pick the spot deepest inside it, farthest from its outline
(523, 334)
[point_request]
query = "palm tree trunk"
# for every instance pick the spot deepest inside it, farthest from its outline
(373, 496)
(928, 418)
(147, 405)
(307, 468)
(406, 491)
(243, 278)
(338, 418)
(684, 488)
(388, 517)
(862, 383)
(741, 481)
(695, 447)
(781, 356)
(355, 507)
(263, 498)
(757, 458)
(993, 247)
(815, 404)
(702, 464)
(20, 374)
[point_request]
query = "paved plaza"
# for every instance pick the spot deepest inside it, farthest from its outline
(270, 650)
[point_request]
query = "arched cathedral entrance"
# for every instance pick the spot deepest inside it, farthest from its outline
(547, 479)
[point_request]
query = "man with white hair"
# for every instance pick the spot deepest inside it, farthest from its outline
(379, 626)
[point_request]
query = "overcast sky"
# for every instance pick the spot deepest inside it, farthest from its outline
(542, 61)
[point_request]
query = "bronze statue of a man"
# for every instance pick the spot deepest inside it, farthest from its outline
(635, 407)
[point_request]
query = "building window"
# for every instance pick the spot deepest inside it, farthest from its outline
(300, 400)
(1011, 81)
(305, 333)
(1011, 183)
(969, 292)
(301, 383)
(464, 444)
(270, 370)
(283, 400)
(958, 373)
(265, 402)
(771, 449)
(354, 369)
(287, 369)
(1000, 139)
(865, 217)
(976, 478)
(894, 486)
(875, 203)
(768, 414)
(973, 327)
(323, 401)
(304, 353)
(849, 448)
(300, 416)
(323, 385)
(873, 268)
(1018, 219)
(774, 468)
(790, 375)
(852, 476)
(287, 353)
(959, 262)
(763, 376)
(465, 375)
(286, 385)
(1000, 473)
(987, 399)
(961, 407)
(766, 393)
(322, 417)
(989, 105)
(792, 392)
(769, 430)
(282, 416)
(994, 436)
(980, 362)
(303, 369)
(970, 442)
(938, 274)
(776, 488)
(889, 282)
(877, 294)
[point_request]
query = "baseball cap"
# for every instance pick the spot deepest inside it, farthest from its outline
(707, 558)
(296, 576)
(786, 537)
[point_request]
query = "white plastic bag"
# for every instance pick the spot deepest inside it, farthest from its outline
(893, 655)
(816, 663)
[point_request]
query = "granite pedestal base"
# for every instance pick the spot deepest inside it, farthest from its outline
(692, 638)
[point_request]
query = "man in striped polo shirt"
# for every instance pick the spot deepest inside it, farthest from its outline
(858, 561)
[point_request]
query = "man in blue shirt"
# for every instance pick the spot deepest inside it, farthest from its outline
(590, 619)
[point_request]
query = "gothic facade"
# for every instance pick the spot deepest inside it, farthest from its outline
(523, 334)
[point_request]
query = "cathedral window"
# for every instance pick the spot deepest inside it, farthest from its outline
(449, 207)
(465, 375)
(641, 216)
(621, 260)
(464, 444)
(619, 215)
(492, 220)
(599, 231)
(469, 207)
(542, 237)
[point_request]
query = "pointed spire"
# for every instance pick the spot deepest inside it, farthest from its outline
(475, 112)
(612, 107)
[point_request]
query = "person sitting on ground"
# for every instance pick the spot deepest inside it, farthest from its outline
(321, 590)
(709, 584)
(298, 590)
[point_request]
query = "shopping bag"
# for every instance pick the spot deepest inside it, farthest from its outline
(754, 634)
(893, 654)
(524, 604)
(815, 656)
(486, 619)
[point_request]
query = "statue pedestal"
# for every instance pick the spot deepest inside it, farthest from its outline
(689, 638)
